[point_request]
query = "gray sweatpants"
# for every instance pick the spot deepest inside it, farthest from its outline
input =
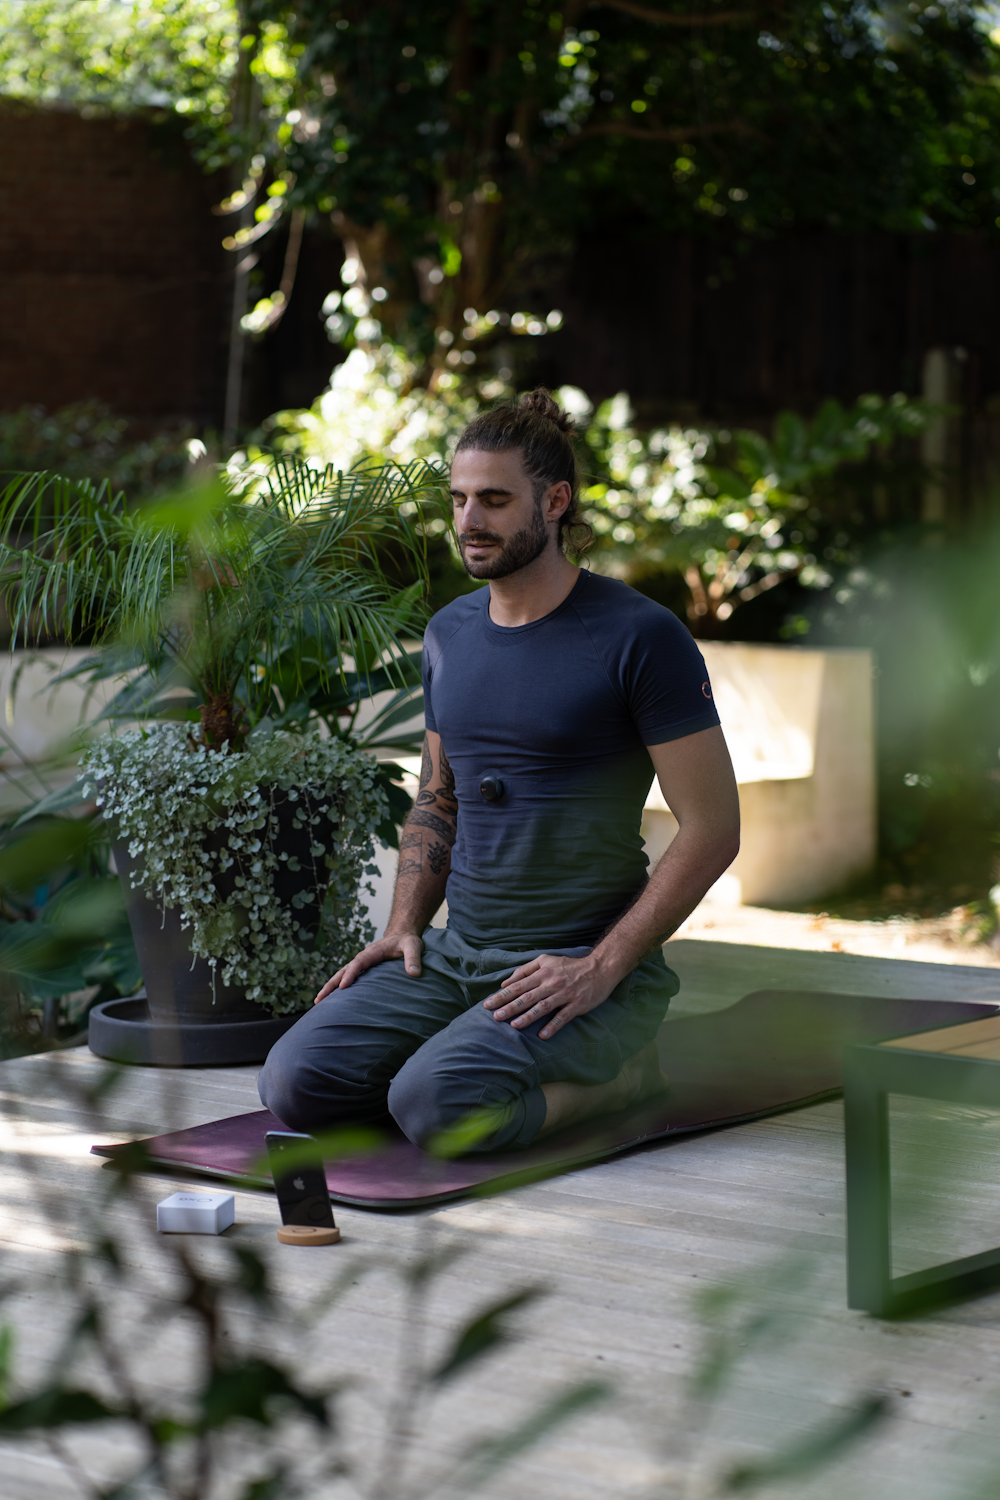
(425, 1049)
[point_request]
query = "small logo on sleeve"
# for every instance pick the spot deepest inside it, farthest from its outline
(706, 690)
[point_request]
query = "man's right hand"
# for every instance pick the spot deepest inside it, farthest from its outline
(408, 946)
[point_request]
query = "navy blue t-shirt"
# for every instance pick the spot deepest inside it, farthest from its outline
(561, 710)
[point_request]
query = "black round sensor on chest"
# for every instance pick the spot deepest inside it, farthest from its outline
(491, 787)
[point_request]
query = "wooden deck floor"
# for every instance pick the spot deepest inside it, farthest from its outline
(621, 1251)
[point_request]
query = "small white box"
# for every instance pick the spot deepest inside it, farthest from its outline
(196, 1213)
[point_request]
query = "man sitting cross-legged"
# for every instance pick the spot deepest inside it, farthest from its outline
(551, 697)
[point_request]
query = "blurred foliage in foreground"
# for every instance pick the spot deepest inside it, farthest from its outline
(65, 940)
(237, 1376)
(927, 605)
(251, 1402)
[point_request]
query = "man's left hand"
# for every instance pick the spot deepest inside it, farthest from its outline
(550, 986)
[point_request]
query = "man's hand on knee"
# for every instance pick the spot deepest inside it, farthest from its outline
(408, 946)
(549, 985)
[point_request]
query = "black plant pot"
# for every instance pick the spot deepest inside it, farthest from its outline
(181, 1020)
(125, 1031)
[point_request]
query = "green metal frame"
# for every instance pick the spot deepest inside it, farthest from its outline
(871, 1073)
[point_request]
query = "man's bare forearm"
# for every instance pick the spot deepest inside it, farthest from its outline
(421, 877)
(426, 844)
(690, 866)
(696, 778)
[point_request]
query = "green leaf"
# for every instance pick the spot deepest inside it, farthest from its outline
(116, 961)
(249, 1390)
(399, 800)
(815, 1451)
(402, 708)
(467, 1133)
(56, 1407)
(167, 1430)
(80, 937)
(273, 1486)
(485, 1332)
(252, 1274)
(790, 440)
(40, 975)
(728, 483)
(6, 1361)
(186, 512)
(451, 256)
(59, 801)
(486, 1458)
(756, 457)
(409, 743)
(740, 1315)
(29, 859)
(331, 1145)
(131, 1157)
(426, 1268)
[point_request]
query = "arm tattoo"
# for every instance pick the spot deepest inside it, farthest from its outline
(440, 826)
(427, 798)
(442, 796)
(441, 820)
(411, 855)
(447, 789)
(437, 857)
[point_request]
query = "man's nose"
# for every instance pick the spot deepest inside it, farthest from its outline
(470, 517)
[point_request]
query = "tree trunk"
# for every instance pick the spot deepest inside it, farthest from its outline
(221, 722)
(470, 207)
(246, 108)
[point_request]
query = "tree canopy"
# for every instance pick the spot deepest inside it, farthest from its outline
(462, 145)
(479, 137)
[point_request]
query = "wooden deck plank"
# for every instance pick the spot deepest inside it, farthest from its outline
(952, 1038)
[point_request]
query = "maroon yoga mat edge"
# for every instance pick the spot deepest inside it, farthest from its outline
(770, 1057)
(600, 1151)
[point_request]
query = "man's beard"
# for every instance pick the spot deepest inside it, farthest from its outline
(516, 553)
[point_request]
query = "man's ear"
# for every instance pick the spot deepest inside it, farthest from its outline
(558, 498)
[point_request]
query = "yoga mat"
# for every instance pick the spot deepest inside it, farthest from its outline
(774, 1050)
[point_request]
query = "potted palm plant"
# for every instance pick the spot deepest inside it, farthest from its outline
(247, 625)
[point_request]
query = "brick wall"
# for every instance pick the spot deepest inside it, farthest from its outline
(113, 284)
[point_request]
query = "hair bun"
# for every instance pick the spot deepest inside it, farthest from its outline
(541, 403)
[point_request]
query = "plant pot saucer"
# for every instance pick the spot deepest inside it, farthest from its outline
(123, 1031)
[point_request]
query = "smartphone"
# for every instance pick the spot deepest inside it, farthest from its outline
(302, 1193)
